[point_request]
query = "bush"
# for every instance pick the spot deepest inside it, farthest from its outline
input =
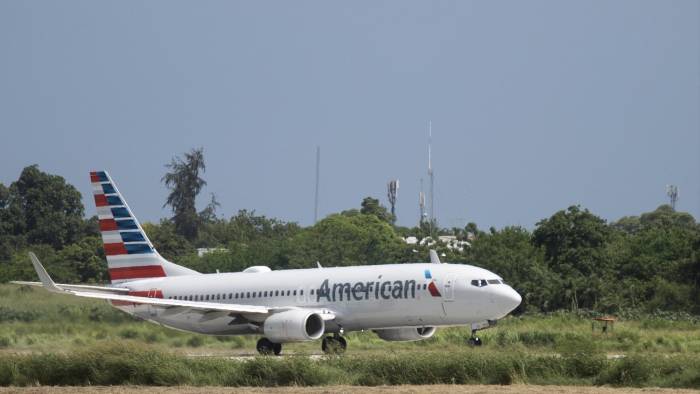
(195, 341)
(129, 333)
(581, 356)
(628, 371)
(538, 338)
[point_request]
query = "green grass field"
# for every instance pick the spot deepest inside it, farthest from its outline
(64, 340)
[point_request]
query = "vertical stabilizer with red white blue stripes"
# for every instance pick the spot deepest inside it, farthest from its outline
(130, 254)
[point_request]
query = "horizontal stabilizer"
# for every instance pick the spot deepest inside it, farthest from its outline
(63, 286)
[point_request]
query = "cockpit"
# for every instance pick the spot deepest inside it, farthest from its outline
(486, 282)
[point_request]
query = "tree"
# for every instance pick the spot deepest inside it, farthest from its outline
(371, 206)
(341, 240)
(43, 209)
(184, 183)
(573, 243)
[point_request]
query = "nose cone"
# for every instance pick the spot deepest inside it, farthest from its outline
(508, 299)
(513, 298)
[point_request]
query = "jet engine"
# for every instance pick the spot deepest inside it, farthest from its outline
(294, 325)
(406, 333)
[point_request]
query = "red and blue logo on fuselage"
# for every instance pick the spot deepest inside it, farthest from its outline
(432, 288)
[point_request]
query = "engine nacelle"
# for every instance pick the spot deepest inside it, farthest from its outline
(406, 333)
(293, 326)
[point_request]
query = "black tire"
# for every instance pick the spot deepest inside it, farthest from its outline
(265, 347)
(474, 341)
(277, 348)
(343, 344)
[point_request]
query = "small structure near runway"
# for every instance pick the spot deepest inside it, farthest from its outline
(603, 324)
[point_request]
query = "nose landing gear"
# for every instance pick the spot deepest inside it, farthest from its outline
(474, 340)
(334, 345)
(267, 347)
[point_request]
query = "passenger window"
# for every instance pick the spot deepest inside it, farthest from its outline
(294, 293)
(288, 293)
(301, 292)
(424, 286)
(259, 294)
(312, 291)
(277, 292)
(265, 293)
(247, 294)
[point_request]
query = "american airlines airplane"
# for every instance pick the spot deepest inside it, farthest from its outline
(399, 302)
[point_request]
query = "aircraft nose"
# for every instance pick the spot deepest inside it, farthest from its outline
(510, 299)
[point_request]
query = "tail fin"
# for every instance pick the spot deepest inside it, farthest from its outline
(130, 254)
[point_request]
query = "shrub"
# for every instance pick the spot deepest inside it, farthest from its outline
(195, 341)
(628, 371)
(129, 333)
(581, 356)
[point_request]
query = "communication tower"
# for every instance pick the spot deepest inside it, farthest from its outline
(431, 175)
(672, 193)
(421, 203)
(318, 166)
(392, 192)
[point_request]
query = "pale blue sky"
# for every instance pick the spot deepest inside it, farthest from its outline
(536, 105)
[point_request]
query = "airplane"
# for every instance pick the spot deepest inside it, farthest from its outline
(399, 302)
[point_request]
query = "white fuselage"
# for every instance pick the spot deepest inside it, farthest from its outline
(360, 297)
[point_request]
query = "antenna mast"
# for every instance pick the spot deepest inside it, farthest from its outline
(392, 192)
(672, 193)
(430, 174)
(318, 165)
(421, 203)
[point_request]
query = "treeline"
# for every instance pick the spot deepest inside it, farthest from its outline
(571, 260)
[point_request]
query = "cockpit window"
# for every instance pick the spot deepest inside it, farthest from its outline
(494, 282)
(480, 282)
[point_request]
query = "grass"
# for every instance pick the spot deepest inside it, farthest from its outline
(64, 340)
(130, 364)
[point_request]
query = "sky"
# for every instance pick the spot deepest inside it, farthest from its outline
(535, 105)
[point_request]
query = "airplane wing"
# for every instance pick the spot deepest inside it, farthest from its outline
(171, 306)
(196, 305)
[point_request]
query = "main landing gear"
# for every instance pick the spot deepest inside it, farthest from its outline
(267, 347)
(335, 344)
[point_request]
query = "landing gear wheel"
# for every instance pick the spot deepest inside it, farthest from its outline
(475, 341)
(334, 345)
(267, 347)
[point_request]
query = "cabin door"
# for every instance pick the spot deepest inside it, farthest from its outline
(449, 289)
